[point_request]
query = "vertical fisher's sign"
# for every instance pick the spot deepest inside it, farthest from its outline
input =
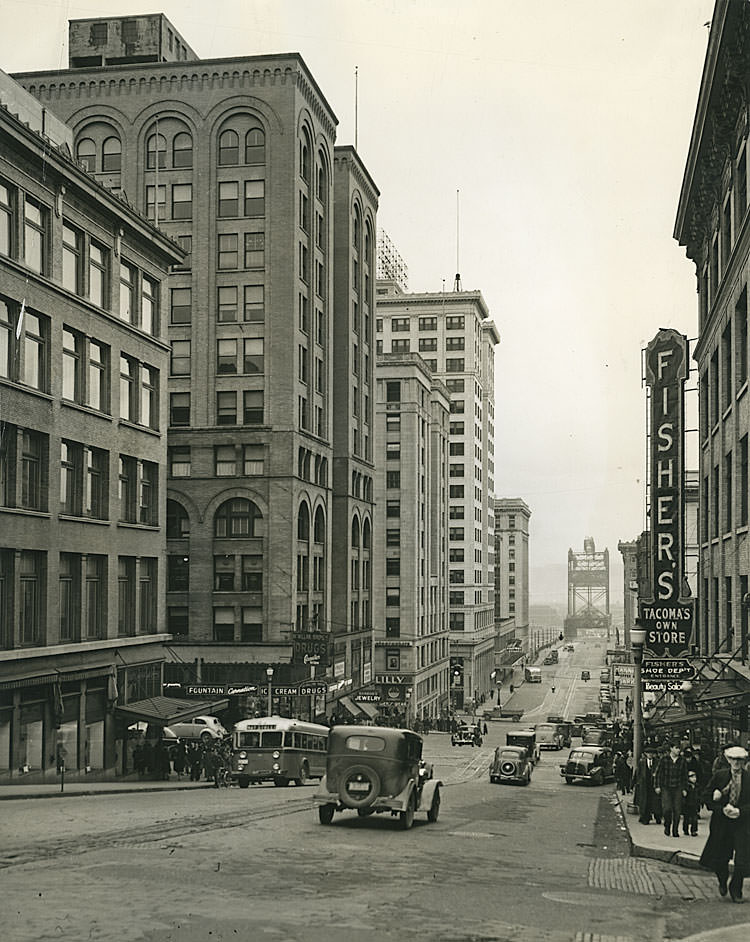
(668, 616)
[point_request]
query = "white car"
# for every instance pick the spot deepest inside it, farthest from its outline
(200, 727)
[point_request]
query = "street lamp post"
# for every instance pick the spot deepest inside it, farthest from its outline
(269, 675)
(617, 698)
(637, 640)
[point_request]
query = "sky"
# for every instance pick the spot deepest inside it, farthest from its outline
(538, 148)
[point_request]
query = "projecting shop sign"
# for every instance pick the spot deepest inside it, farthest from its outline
(668, 616)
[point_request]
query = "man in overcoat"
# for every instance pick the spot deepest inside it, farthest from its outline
(645, 793)
(728, 796)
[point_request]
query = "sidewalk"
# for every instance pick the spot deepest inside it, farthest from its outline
(649, 840)
(78, 789)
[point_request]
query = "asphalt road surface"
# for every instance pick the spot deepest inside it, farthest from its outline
(528, 864)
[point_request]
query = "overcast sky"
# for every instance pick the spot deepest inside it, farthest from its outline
(565, 125)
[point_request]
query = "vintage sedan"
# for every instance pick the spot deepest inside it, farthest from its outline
(376, 770)
(205, 728)
(548, 736)
(510, 764)
(592, 764)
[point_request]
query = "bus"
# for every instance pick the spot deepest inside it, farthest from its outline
(533, 675)
(279, 750)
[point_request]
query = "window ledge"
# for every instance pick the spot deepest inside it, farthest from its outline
(26, 512)
(75, 518)
(147, 430)
(88, 410)
(137, 526)
(4, 381)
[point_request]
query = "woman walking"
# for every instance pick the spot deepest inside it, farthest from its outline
(728, 797)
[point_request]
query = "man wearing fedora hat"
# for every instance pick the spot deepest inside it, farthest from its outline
(728, 796)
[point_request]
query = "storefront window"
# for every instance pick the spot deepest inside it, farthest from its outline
(5, 741)
(94, 749)
(31, 732)
(67, 742)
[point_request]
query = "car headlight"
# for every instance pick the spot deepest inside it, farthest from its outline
(276, 755)
(243, 755)
(275, 766)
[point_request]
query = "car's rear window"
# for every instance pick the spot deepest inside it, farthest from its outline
(365, 743)
(509, 755)
(579, 756)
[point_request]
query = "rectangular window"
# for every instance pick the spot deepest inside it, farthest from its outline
(254, 306)
(253, 407)
(70, 597)
(72, 258)
(6, 220)
(223, 624)
(255, 198)
(36, 219)
(227, 304)
(178, 573)
(226, 356)
(226, 408)
(741, 338)
(428, 323)
(126, 595)
(128, 488)
(454, 323)
(454, 365)
(252, 360)
(71, 478)
(229, 199)
(179, 364)
(33, 474)
(149, 306)
(427, 343)
(393, 508)
(185, 242)
(728, 492)
(400, 346)
(147, 595)
(393, 479)
(454, 343)
(96, 485)
(744, 482)
(156, 200)
(255, 250)
(98, 275)
(98, 376)
(181, 303)
(73, 344)
(127, 293)
(252, 573)
(252, 458)
(182, 201)
(96, 596)
(228, 251)
(178, 458)
(149, 404)
(223, 573)
(225, 460)
(148, 501)
(31, 613)
(179, 409)
(35, 346)
(726, 366)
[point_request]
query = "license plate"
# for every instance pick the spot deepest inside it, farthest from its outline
(359, 786)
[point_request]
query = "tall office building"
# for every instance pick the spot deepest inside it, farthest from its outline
(455, 336)
(512, 517)
(411, 546)
(83, 367)
(235, 159)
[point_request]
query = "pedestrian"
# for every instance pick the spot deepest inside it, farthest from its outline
(691, 805)
(728, 797)
(179, 760)
(670, 784)
(645, 793)
(622, 773)
(485, 730)
(138, 760)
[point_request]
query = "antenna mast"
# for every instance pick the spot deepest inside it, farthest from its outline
(356, 105)
(457, 279)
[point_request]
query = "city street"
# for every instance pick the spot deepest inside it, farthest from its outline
(545, 862)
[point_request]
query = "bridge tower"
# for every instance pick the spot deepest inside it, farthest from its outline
(588, 591)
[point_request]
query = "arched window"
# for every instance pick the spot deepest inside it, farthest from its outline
(303, 523)
(111, 154)
(86, 154)
(229, 149)
(319, 534)
(237, 518)
(255, 146)
(156, 152)
(304, 159)
(178, 522)
(355, 533)
(367, 245)
(357, 233)
(182, 150)
(366, 535)
(322, 183)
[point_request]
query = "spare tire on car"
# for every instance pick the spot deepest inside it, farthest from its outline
(359, 786)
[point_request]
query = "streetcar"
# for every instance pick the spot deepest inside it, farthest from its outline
(279, 750)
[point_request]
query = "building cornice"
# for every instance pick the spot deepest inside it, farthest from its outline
(722, 104)
(347, 155)
(232, 74)
(431, 298)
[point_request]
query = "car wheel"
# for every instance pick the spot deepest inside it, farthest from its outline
(568, 780)
(365, 812)
(406, 818)
(304, 774)
(206, 737)
(599, 779)
(432, 814)
(244, 782)
(281, 781)
(325, 813)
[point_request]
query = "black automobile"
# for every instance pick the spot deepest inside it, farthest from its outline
(592, 764)
(510, 764)
(376, 769)
(596, 736)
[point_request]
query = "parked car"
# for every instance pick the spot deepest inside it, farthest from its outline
(588, 764)
(510, 764)
(548, 736)
(549, 660)
(585, 675)
(205, 728)
(375, 770)
(526, 738)
(569, 647)
(597, 736)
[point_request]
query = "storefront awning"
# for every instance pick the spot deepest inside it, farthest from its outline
(353, 708)
(369, 708)
(161, 711)
(509, 656)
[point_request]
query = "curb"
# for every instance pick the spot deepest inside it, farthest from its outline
(676, 857)
(93, 792)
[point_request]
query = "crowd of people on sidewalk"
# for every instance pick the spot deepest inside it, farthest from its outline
(192, 760)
